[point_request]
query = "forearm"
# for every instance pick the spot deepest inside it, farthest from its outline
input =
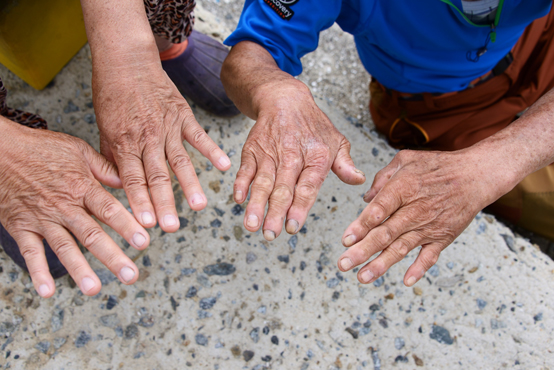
(252, 79)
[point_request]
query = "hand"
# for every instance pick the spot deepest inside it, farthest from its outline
(49, 187)
(143, 120)
(420, 198)
(286, 158)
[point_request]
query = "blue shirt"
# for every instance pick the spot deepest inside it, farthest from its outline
(410, 46)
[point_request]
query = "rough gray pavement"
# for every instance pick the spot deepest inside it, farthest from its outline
(214, 296)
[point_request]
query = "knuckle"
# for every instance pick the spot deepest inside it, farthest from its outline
(384, 236)
(263, 181)
(429, 259)
(306, 191)
(199, 137)
(157, 178)
(291, 160)
(399, 250)
(29, 252)
(63, 249)
(180, 161)
(91, 237)
(109, 211)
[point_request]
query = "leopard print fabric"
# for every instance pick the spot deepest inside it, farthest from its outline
(170, 19)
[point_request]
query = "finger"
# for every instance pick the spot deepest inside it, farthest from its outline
(245, 176)
(305, 194)
(110, 211)
(199, 139)
(63, 244)
(32, 249)
(428, 256)
(391, 255)
(105, 149)
(181, 164)
(103, 170)
(382, 206)
(134, 182)
(282, 195)
(97, 242)
(159, 183)
(262, 186)
(344, 167)
(380, 179)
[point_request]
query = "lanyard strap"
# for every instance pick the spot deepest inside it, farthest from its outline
(492, 26)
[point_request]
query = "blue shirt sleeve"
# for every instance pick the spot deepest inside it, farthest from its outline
(287, 40)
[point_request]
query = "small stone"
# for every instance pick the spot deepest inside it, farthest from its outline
(284, 258)
(146, 261)
(354, 333)
(418, 290)
(187, 271)
(332, 283)
(379, 282)
(509, 240)
(473, 269)
(70, 107)
(434, 271)
(265, 330)
(481, 303)
(90, 118)
(374, 307)
(401, 358)
(183, 222)
(384, 323)
(57, 320)
(110, 321)
(335, 296)
(201, 340)
(375, 152)
(59, 342)
(82, 339)
(203, 280)
(248, 355)
(146, 321)
(207, 303)
(215, 223)
(235, 350)
(495, 324)
(538, 317)
(302, 265)
(43, 346)
(105, 276)
(266, 358)
(417, 360)
(174, 303)
(220, 269)
(250, 257)
(399, 343)
(389, 296)
(215, 186)
(112, 302)
(255, 335)
(293, 241)
(275, 340)
(450, 265)
(441, 335)
(219, 212)
(237, 210)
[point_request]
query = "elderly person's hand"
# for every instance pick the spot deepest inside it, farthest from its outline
(49, 187)
(142, 117)
(290, 149)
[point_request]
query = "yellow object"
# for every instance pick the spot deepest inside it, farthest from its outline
(39, 37)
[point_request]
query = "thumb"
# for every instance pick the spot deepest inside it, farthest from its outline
(103, 170)
(344, 167)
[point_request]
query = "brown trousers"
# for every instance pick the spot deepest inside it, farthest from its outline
(458, 120)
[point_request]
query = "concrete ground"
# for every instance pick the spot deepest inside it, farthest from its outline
(214, 296)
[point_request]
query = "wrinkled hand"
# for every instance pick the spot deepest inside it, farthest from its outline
(48, 188)
(143, 120)
(420, 198)
(286, 158)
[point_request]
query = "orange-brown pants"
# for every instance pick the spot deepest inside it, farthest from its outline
(458, 120)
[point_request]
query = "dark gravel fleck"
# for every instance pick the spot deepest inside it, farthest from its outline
(82, 339)
(57, 320)
(441, 335)
(183, 222)
(434, 271)
(384, 323)
(70, 107)
(303, 230)
(481, 303)
(146, 261)
(336, 296)
(105, 276)
(339, 276)
(375, 152)
(284, 258)
(401, 358)
(374, 307)
(174, 303)
(131, 331)
(293, 241)
(353, 332)
(333, 199)
(219, 212)
(112, 302)
(509, 240)
(89, 104)
(266, 358)
(181, 240)
(265, 330)
(251, 257)
(110, 321)
(332, 283)
(201, 340)
(379, 282)
(275, 340)
(538, 317)
(207, 303)
(267, 270)
(215, 223)
(220, 269)
(399, 343)
(237, 210)
(247, 355)
(302, 265)
(318, 266)
(90, 118)
(146, 321)
(43, 346)
(255, 335)
(188, 271)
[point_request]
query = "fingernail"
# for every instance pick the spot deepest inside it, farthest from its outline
(196, 199)
(346, 263)
(411, 281)
(366, 276)
(146, 218)
(87, 284)
(170, 220)
(359, 172)
(43, 290)
(269, 235)
(349, 240)
(292, 226)
(127, 274)
(252, 221)
(238, 195)
(139, 240)
(224, 162)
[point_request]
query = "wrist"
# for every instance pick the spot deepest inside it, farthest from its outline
(287, 93)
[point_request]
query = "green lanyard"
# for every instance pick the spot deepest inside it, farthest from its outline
(492, 26)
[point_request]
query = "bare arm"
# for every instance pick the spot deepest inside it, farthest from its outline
(290, 149)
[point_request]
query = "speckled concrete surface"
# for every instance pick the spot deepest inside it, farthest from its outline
(214, 296)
